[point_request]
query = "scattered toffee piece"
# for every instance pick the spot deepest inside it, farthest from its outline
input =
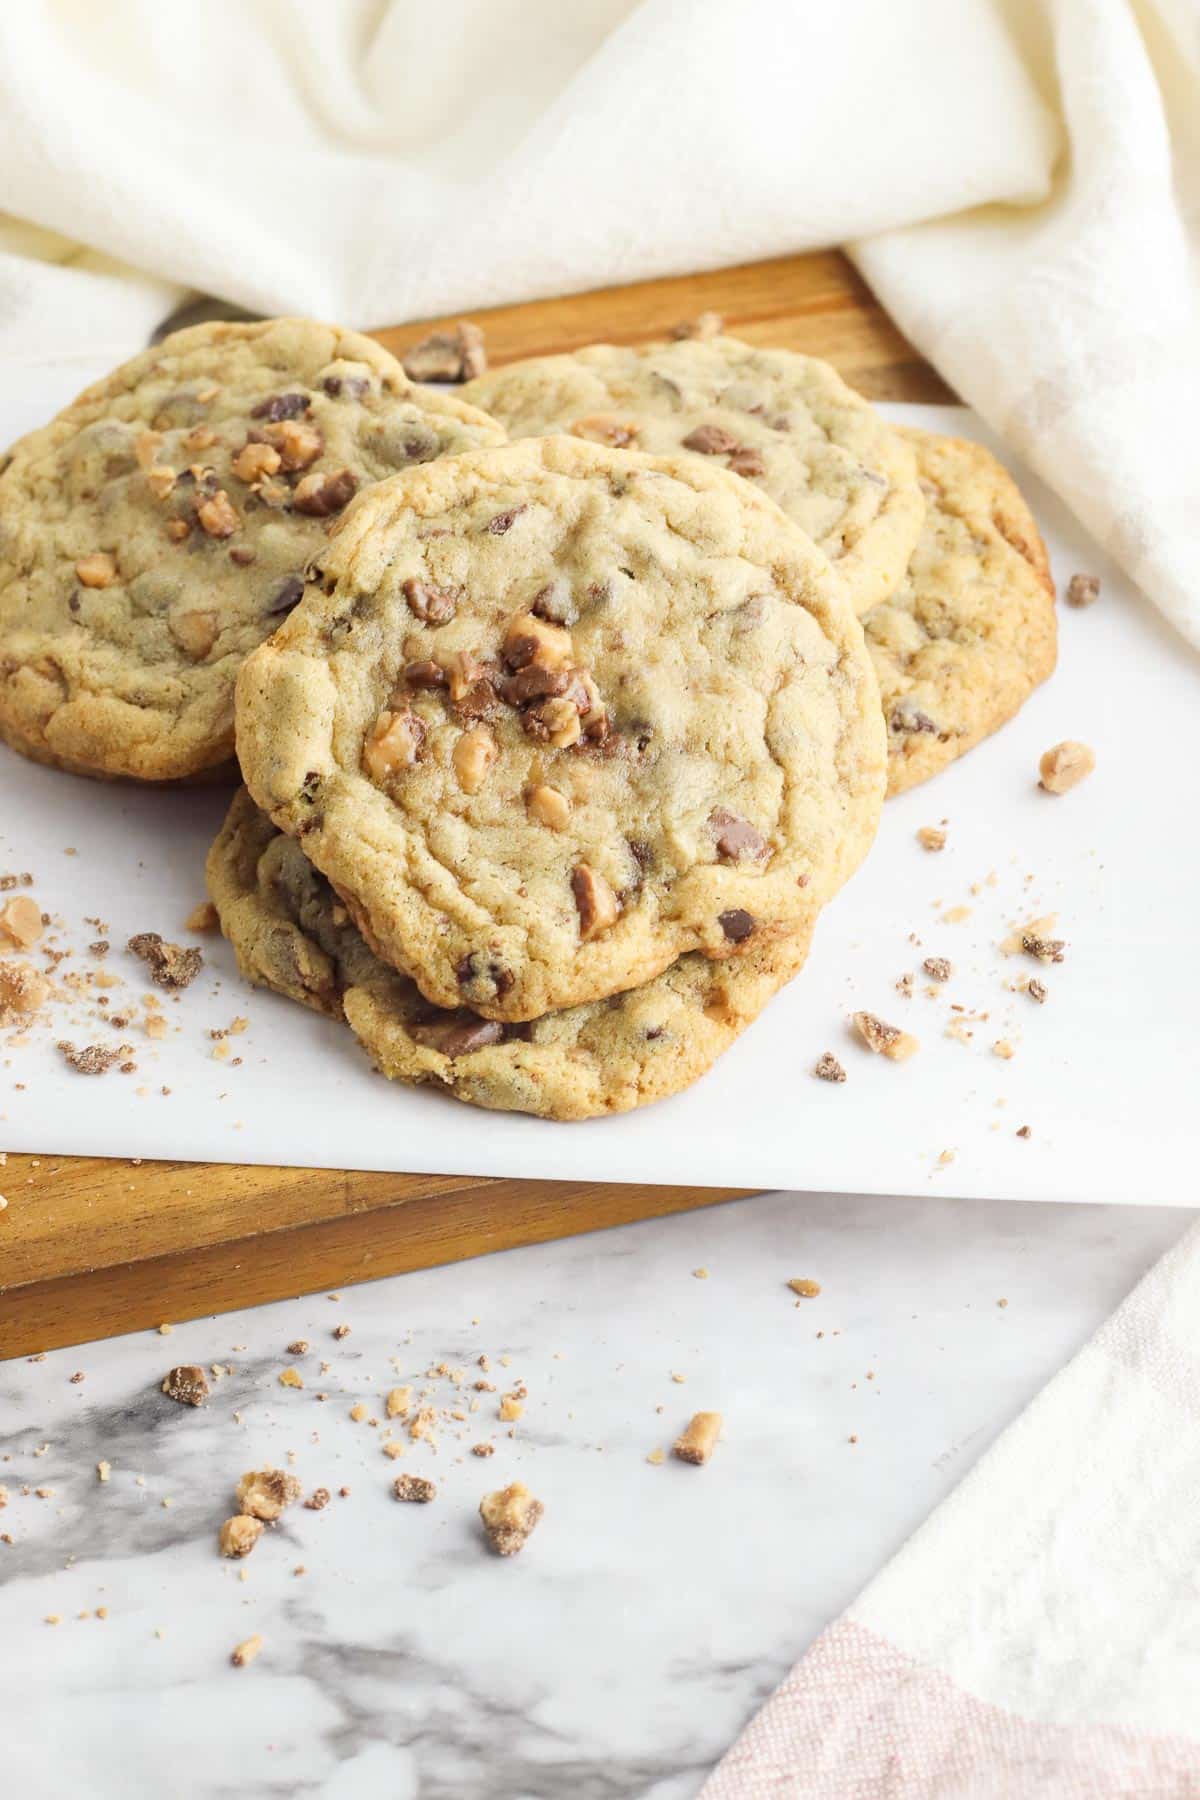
(1064, 766)
(238, 1535)
(931, 837)
(805, 1287)
(1044, 949)
(695, 1444)
(188, 1384)
(937, 968)
(883, 1039)
(1083, 590)
(509, 1515)
(828, 1068)
(1037, 990)
(171, 965)
(432, 605)
(264, 1493)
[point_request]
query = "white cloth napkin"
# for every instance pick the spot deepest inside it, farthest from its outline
(1019, 179)
(1040, 1634)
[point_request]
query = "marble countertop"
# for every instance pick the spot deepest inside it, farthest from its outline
(656, 1605)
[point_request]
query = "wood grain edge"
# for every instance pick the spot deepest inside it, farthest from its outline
(413, 1234)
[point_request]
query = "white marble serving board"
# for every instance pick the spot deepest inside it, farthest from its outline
(654, 1609)
(1102, 1073)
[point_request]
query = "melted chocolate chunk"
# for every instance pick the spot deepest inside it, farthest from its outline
(533, 683)
(433, 605)
(735, 838)
(484, 977)
(281, 406)
(737, 924)
(345, 387)
(457, 1034)
(287, 597)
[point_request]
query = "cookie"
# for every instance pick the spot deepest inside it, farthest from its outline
(159, 527)
(787, 422)
(971, 630)
(550, 716)
(291, 934)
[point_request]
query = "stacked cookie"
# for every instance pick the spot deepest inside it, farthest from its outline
(556, 718)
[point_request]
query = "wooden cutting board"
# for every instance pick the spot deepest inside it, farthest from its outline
(90, 1247)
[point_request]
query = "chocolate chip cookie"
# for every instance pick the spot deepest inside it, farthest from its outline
(550, 716)
(785, 421)
(159, 527)
(292, 934)
(971, 630)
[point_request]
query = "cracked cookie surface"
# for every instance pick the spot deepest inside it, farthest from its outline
(553, 715)
(158, 529)
(971, 630)
(786, 422)
(291, 934)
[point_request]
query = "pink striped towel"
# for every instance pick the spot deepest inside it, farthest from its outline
(1039, 1636)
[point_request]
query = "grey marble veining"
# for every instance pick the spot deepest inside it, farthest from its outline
(655, 1607)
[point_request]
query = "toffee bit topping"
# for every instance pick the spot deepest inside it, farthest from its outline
(737, 924)
(531, 642)
(828, 1068)
(937, 968)
(21, 921)
(253, 461)
(695, 1444)
(414, 1487)
(216, 515)
(509, 1516)
(883, 1039)
(472, 756)
(606, 428)
(171, 966)
(736, 839)
(554, 722)
(548, 807)
(454, 1036)
(281, 406)
(1083, 590)
(22, 989)
(596, 903)
(711, 440)
(96, 571)
(188, 1384)
(432, 605)
(321, 495)
(425, 674)
(298, 444)
(396, 742)
(457, 355)
(1065, 766)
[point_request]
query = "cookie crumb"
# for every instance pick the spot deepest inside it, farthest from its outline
(291, 1378)
(22, 921)
(509, 1516)
(93, 1059)
(883, 1039)
(399, 1400)
(1003, 1049)
(937, 968)
(806, 1288)
(103, 1470)
(414, 1487)
(510, 1407)
(1065, 765)
(1083, 590)
(1037, 990)
(202, 917)
(828, 1068)
(246, 1651)
(704, 325)
(700, 1274)
(696, 1442)
(171, 966)
(931, 837)
(1042, 948)
(1024, 1131)
(341, 1331)
(483, 1449)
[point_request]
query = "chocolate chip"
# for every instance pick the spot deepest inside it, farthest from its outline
(281, 406)
(737, 924)
(456, 1035)
(242, 555)
(320, 495)
(287, 596)
(502, 522)
(642, 854)
(735, 838)
(748, 462)
(711, 440)
(73, 603)
(345, 387)
(487, 978)
(426, 674)
(654, 1032)
(433, 605)
(309, 786)
(553, 604)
